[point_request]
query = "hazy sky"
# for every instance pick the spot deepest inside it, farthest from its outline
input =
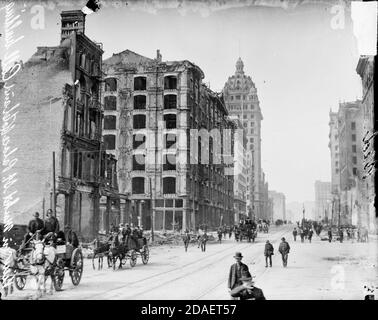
(300, 65)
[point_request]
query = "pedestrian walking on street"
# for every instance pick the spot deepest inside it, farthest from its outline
(247, 290)
(268, 252)
(310, 233)
(295, 233)
(302, 235)
(284, 249)
(341, 235)
(329, 235)
(186, 239)
(236, 270)
(203, 241)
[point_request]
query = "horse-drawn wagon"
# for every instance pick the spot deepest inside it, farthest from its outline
(127, 248)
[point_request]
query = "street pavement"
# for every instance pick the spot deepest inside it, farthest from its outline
(317, 270)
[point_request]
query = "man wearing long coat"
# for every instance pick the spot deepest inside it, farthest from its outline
(236, 271)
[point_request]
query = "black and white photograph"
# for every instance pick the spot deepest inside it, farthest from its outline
(217, 150)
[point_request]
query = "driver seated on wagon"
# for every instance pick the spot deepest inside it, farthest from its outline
(35, 227)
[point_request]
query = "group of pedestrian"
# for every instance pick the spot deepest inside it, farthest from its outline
(304, 233)
(49, 230)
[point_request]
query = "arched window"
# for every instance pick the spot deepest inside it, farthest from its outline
(110, 84)
(139, 121)
(169, 185)
(138, 185)
(110, 103)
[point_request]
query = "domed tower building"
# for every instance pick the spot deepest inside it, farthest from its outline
(240, 95)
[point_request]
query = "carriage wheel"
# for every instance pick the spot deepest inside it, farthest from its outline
(19, 282)
(133, 258)
(145, 255)
(76, 266)
(58, 275)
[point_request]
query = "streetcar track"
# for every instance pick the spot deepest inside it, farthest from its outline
(222, 282)
(169, 271)
(194, 271)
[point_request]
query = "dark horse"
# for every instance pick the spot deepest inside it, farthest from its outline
(100, 249)
(117, 250)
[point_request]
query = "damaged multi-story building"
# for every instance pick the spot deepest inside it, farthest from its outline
(58, 91)
(153, 113)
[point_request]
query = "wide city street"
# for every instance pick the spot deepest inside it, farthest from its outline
(317, 270)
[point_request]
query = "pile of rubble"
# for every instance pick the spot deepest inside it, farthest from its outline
(170, 238)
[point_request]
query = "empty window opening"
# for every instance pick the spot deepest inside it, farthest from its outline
(170, 101)
(170, 82)
(110, 122)
(139, 162)
(140, 83)
(110, 103)
(110, 84)
(139, 102)
(139, 121)
(170, 121)
(109, 141)
(169, 185)
(138, 185)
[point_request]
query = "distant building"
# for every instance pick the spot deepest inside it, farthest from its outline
(241, 173)
(323, 200)
(279, 205)
(240, 95)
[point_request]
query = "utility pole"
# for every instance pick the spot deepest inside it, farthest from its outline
(153, 212)
(54, 191)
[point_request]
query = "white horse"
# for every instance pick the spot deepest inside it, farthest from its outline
(41, 267)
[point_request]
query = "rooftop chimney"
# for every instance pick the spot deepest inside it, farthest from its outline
(73, 20)
(158, 55)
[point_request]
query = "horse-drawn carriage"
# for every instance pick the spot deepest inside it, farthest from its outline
(42, 258)
(246, 230)
(125, 248)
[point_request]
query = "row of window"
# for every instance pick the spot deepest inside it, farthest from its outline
(138, 185)
(170, 102)
(169, 162)
(245, 107)
(140, 83)
(242, 97)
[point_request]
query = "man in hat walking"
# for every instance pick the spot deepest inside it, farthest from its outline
(295, 233)
(268, 252)
(247, 290)
(284, 249)
(236, 272)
